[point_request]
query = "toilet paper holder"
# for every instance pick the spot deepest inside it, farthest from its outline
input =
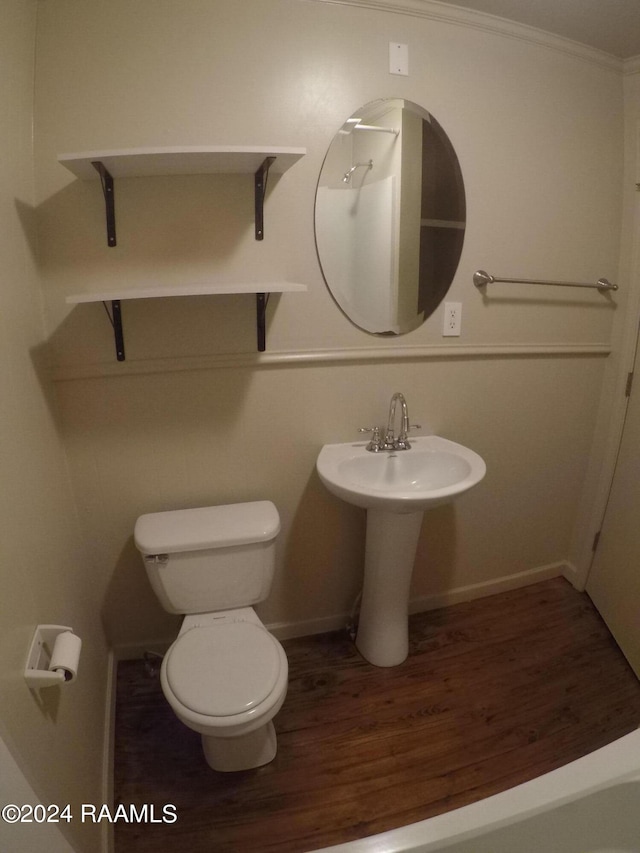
(41, 670)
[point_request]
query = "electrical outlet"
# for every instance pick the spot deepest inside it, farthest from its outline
(452, 319)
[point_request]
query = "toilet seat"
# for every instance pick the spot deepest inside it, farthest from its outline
(224, 670)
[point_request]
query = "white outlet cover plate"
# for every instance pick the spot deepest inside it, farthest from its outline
(398, 59)
(452, 320)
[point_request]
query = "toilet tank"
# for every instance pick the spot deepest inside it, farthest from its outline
(210, 558)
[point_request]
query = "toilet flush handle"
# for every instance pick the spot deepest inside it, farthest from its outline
(158, 559)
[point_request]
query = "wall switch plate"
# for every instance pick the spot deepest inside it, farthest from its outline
(452, 319)
(398, 59)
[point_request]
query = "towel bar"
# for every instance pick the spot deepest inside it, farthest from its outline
(482, 278)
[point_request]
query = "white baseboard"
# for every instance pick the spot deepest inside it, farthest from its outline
(288, 630)
(134, 651)
(337, 621)
(491, 587)
(576, 577)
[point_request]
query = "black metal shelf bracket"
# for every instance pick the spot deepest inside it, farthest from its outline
(262, 300)
(260, 182)
(109, 199)
(115, 318)
(108, 191)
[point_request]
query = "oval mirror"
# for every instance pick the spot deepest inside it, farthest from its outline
(390, 216)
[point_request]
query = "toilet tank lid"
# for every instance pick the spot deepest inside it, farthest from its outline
(206, 527)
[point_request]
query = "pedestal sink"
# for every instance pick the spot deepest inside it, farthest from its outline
(395, 487)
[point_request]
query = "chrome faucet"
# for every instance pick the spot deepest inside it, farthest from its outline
(390, 442)
(399, 443)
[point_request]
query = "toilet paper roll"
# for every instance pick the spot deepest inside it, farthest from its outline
(66, 655)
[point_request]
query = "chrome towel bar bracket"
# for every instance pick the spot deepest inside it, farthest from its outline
(482, 278)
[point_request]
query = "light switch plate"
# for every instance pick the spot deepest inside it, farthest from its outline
(398, 59)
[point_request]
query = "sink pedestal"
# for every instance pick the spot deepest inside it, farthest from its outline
(395, 487)
(383, 626)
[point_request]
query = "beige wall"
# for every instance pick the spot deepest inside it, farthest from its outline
(234, 435)
(55, 736)
(538, 128)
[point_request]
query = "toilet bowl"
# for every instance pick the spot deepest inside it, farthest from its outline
(225, 676)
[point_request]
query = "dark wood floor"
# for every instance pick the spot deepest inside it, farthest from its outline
(494, 692)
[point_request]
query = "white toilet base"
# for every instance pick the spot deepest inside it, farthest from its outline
(241, 752)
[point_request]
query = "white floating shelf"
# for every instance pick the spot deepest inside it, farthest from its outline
(184, 290)
(200, 160)
(195, 160)
(261, 291)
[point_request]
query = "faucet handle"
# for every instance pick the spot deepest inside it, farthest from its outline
(401, 442)
(375, 444)
(406, 429)
(375, 431)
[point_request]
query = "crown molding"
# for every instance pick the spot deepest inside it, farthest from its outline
(459, 16)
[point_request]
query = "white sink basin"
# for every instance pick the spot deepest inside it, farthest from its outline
(434, 471)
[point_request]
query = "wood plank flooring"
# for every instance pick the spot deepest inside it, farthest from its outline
(494, 692)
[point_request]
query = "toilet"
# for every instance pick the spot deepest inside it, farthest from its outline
(225, 675)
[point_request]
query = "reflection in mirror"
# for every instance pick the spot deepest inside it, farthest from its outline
(390, 216)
